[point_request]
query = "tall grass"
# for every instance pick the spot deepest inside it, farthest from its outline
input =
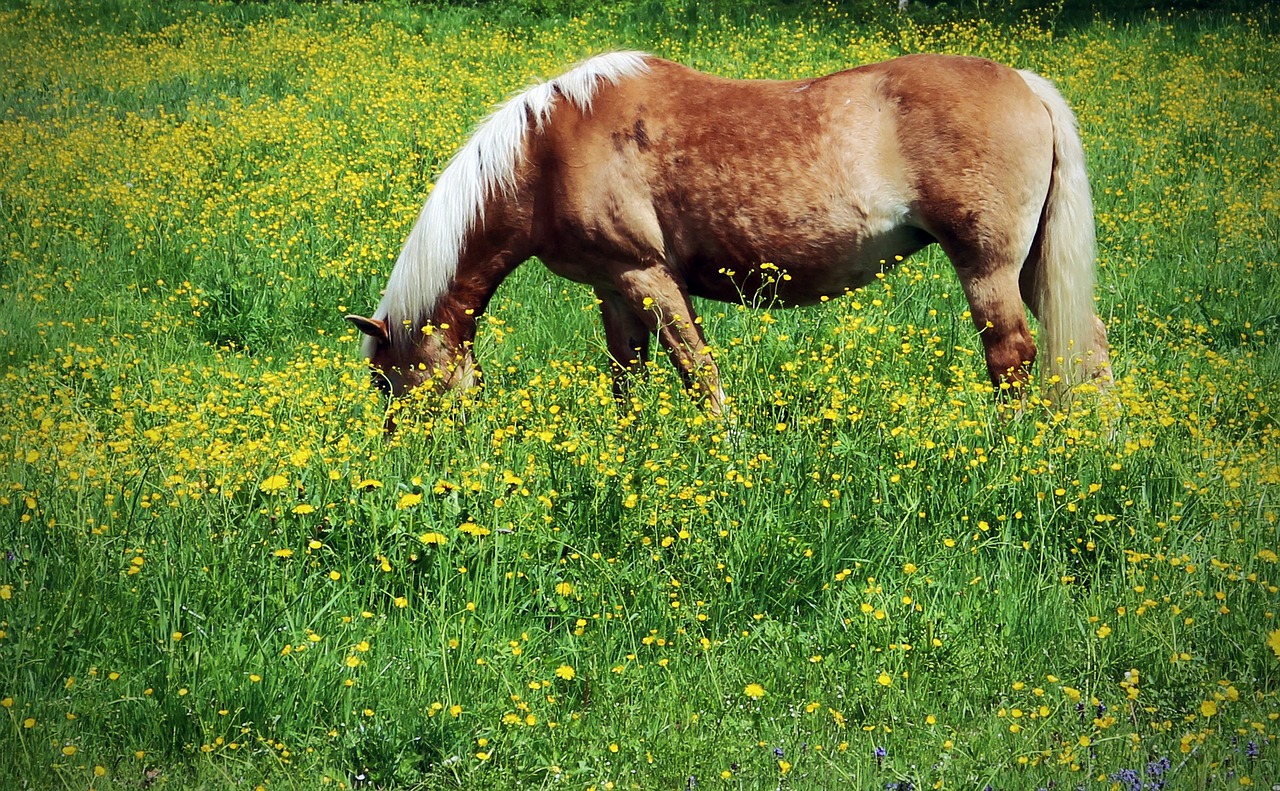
(218, 572)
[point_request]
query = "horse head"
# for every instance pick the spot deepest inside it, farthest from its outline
(401, 363)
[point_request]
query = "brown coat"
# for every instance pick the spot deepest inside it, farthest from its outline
(652, 182)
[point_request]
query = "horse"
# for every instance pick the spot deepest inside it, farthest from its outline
(651, 182)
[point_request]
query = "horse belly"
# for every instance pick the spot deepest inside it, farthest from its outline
(873, 254)
(825, 260)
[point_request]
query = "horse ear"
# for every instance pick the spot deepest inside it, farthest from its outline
(372, 327)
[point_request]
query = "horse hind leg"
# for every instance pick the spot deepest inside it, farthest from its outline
(988, 248)
(995, 303)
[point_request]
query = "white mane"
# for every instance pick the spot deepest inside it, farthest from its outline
(484, 166)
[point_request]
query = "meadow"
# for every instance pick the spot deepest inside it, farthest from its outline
(218, 572)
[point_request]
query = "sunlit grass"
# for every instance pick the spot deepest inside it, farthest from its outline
(218, 571)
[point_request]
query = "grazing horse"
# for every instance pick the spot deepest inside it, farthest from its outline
(651, 182)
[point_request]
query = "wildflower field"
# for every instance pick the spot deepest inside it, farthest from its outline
(217, 571)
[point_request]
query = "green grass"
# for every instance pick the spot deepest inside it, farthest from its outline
(217, 571)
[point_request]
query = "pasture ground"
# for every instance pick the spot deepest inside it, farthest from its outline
(217, 572)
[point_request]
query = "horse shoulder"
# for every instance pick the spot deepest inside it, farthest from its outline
(595, 192)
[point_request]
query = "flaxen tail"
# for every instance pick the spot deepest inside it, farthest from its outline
(1073, 344)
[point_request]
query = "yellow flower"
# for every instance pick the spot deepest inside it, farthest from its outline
(1208, 708)
(433, 538)
(303, 508)
(283, 553)
(274, 484)
(753, 691)
(1273, 640)
(566, 672)
(408, 500)
(564, 589)
(884, 679)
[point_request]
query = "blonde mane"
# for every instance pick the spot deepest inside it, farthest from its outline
(483, 167)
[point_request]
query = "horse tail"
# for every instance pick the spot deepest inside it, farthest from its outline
(1058, 277)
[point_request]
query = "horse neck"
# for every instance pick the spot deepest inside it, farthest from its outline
(487, 259)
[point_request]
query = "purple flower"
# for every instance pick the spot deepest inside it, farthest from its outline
(1156, 770)
(1127, 779)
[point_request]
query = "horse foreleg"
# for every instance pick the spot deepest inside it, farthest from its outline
(654, 294)
(627, 337)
